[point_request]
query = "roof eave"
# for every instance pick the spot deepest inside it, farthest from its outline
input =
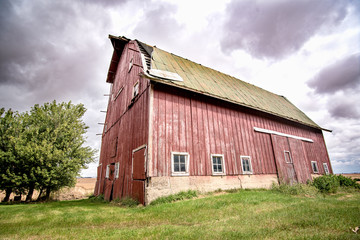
(118, 44)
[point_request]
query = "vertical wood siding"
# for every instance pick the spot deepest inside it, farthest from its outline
(201, 126)
(126, 120)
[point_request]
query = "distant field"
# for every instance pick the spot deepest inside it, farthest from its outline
(83, 188)
(352, 175)
(244, 214)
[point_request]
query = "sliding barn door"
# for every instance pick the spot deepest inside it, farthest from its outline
(284, 159)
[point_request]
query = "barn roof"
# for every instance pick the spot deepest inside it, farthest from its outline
(174, 70)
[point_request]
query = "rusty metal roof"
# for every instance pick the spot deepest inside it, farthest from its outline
(201, 79)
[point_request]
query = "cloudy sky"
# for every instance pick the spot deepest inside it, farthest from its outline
(306, 50)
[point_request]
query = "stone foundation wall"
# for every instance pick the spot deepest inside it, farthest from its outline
(164, 186)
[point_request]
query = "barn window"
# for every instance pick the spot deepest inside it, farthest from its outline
(117, 165)
(180, 164)
(287, 157)
(136, 89)
(130, 64)
(326, 168)
(107, 174)
(218, 165)
(246, 164)
(314, 167)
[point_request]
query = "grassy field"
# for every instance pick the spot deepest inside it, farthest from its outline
(244, 214)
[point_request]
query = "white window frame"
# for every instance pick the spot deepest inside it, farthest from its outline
(326, 168)
(250, 165)
(117, 166)
(107, 174)
(289, 156)
(222, 164)
(187, 160)
(136, 89)
(312, 166)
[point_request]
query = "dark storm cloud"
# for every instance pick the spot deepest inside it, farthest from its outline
(344, 110)
(343, 74)
(105, 3)
(47, 49)
(158, 25)
(275, 29)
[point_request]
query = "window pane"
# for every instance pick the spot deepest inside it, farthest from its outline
(182, 158)
(182, 167)
(246, 165)
(176, 168)
(219, 168)
(214, 160)
(176, 158)
(314, 167)
(219, 160)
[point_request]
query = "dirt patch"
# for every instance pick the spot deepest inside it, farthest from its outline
(346, 196)
(83, 189)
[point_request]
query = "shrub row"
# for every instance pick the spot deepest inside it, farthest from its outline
(331, 183)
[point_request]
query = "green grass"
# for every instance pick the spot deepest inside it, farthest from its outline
(175, 197)
(256, 214)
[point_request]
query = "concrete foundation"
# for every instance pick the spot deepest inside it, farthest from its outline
(164, 186)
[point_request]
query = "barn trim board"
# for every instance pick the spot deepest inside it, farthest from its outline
(184, 107)
(282, 134)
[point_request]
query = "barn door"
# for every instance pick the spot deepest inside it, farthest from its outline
(284, 159)
(109, 182)
(300, 160)
(139, 174)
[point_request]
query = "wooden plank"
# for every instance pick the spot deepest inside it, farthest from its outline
(195, 137)
(182, 124)
(175, 134)
(202, 154)
(161, 143)
(206, 161)
(188, 127)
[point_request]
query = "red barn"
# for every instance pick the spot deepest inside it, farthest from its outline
(174, 125)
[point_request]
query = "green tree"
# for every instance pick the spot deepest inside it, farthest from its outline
(10, 169)
(50, 150)
(57, 133)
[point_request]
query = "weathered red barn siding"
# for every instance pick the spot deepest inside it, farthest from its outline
(126, 123)
(201, 126)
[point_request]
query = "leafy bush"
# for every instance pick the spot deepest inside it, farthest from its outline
(326, 183)
(175, 197)
(128, 202)
(347, 182)
(296, 189)
(99, 198)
